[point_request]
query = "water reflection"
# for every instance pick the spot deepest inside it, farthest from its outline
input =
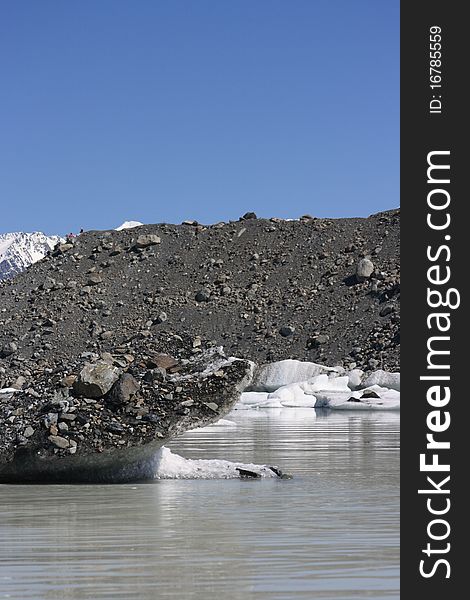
(331, 532)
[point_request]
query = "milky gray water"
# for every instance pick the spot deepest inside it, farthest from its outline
(330, 532)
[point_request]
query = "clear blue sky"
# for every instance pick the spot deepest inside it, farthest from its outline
(163, 110)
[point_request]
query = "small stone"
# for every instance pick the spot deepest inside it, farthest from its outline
(50, 419)
(318, 341)
(68, 380)
(19, 383)
(248, 215)
(189, 402)
(48, 284)
(28, 432)
(203, 295)
(58, 441)
(8, 349)
(155, 376)
(162, 361)
(114, 427)
(61, 248)
(386, 310)
(162, 317)
(94, 279)
(287, 331)
(107, 357)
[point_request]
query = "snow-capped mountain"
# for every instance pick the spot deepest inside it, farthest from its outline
(19, 250)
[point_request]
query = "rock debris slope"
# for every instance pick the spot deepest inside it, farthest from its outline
(264, 289)
(111, 342)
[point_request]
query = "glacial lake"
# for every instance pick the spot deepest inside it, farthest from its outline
(331, 532)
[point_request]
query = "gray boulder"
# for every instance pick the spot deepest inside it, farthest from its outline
(95, 380)
(147, 240)
(124, 388)
(364, 269)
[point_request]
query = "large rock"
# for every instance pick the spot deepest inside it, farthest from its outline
(95, 380)
(124, 389)
(60, 438)
(147, 240)
(364, 269)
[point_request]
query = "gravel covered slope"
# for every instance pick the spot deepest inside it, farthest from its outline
(264, 289)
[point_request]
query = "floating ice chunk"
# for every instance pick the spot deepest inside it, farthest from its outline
(384, 379)
(355, 378)
(293, 395)
(274, 375)
(307, 401)
(366, 399)
(332, 398)
(372, 397)
(289, 395)
(173, 466)
(326, 389)
(251, 399)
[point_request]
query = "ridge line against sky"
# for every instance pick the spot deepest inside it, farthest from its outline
(173, 110)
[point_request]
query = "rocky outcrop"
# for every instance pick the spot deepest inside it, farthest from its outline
(103, 418)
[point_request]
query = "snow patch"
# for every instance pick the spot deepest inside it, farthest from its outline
(128, 225)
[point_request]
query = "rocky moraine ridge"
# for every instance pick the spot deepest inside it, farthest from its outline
(111, 342)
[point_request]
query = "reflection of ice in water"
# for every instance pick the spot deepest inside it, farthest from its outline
(173, 466)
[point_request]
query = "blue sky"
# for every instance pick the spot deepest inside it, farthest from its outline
(164, 110)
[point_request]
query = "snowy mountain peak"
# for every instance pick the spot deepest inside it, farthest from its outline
(129, 225)
(19, 250)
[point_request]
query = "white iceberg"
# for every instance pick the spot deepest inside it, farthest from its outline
(372, 398)
(174, 466)
(327, 389)
(384, 379)
(355, 378)
(272, 376)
